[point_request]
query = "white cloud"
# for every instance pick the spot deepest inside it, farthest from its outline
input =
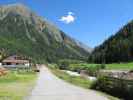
(69, 18)
(70, 13)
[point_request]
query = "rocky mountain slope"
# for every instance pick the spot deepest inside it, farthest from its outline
(23, 32)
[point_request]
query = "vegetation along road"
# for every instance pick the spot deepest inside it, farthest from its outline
(49, 87)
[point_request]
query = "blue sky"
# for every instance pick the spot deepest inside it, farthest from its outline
(89, 21)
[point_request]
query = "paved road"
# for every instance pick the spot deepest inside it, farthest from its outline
(49, 87)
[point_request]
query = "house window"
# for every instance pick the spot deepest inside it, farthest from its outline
(8, 63)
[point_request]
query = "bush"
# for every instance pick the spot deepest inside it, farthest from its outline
(116, 87)
(91, 69)
(102, 66)
(100, 84)
(130, 91)
(63, 64)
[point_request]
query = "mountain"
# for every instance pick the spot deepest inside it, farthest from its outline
(117, 48)
(23, 32)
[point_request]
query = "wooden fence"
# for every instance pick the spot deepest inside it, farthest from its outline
(113, 79)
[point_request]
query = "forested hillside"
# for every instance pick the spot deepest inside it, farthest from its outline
(117, 48)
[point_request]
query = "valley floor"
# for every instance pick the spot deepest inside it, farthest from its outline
(49, 87)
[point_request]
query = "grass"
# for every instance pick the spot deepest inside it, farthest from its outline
(79, 81)
(113, 66)
(83, 65)
(120, 66)
(15, 86)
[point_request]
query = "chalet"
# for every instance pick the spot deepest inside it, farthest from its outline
(13, 61)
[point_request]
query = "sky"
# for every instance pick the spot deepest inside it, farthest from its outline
(89, 21)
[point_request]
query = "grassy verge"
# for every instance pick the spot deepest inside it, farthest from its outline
(120, 66)
(79, 81)
(15, 86)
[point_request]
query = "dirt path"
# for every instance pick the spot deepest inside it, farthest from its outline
(49, 87)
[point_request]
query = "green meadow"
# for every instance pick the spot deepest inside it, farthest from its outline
(113, 66)
(120, 66)
(16, 86)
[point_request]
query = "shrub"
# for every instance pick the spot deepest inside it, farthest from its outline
(93, 70)
(130, 91)
(63, 64)
(116, 87)
(100, 84)
(102, 66)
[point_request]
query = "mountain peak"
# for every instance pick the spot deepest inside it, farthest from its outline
(18, 8)
(16, 5)
(29, 32)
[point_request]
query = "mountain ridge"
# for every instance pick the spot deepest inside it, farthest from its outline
(117, 48)
(20, 24)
